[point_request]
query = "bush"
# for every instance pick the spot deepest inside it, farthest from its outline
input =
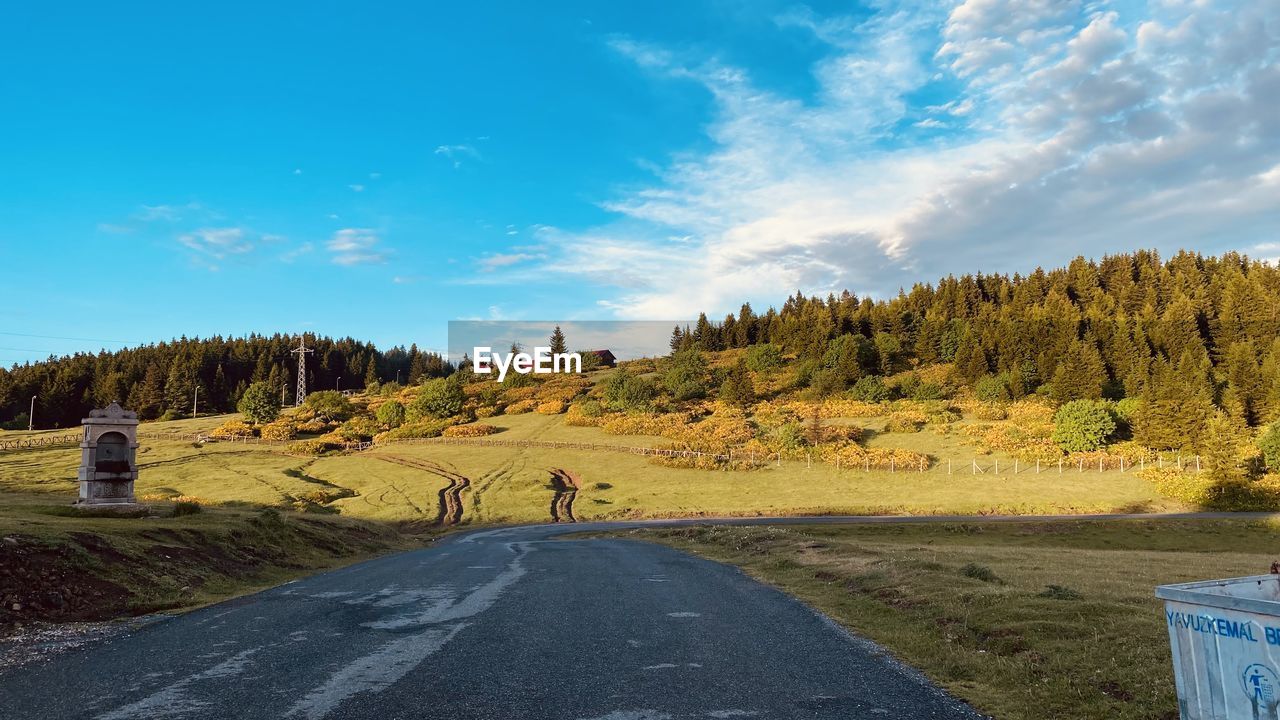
(980, 572)
(329, 403)
(473, 430)
(440, 398)
(186, 507)
(391, 414)
(414, 430)
(233, 429)
(313, 426)
(992, 388)
(624, 391)
(259, 404)
(1269, 444)
(1083, 425)
(686, 378)
(309, 447)
(870, 389)
(1203, 491)
(764, 358)
(990, 412)
(929, 391)
(905, 421)
(279, 430)
(358, 429)
(551, 407)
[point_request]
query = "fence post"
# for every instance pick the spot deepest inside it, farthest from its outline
(1059, 466)
(1179, 461)
(975, 466)
(808, 461)
(997, 472)
(948, 466)
(1099, 463)
(891, 467)
(1197, 463)
(1015, 466)
(1037, 466)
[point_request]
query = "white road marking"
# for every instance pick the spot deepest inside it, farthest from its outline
(374, 672)
(684, 614)
(380, 669)
(174, 700)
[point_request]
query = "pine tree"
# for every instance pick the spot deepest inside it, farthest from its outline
(1080, 375)
(737, 389)
(971, 362)
(558, 345)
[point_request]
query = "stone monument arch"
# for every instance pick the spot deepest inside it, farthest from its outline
(108, 457)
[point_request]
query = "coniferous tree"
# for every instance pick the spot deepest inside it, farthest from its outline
(558, 345)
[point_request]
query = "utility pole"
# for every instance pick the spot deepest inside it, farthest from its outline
(302, 350)
(195, 402)
(31, 415)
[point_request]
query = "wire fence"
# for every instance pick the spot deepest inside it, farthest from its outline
(40, 441)
(740, 457)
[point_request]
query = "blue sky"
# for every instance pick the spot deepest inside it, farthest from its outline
(378, 171)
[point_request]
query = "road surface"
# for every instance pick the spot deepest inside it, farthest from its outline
(506, 624)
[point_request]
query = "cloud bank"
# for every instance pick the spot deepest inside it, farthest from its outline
(990, 135)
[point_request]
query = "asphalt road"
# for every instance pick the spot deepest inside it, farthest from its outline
(506, 624)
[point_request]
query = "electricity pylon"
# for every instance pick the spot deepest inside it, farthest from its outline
(302, 351)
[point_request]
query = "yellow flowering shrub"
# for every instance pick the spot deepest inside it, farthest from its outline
(233, 429)
(1201, 490)
(522, 406)
(473, 430)
(280, 430)
(551, 407)
(905, 421)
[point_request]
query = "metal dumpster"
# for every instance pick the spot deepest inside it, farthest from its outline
(1225, 636)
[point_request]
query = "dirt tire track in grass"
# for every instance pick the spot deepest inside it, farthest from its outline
(565, 483)
(450, 508)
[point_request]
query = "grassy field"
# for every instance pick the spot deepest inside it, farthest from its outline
(513, 484)
(1025, 621)
(398, 489)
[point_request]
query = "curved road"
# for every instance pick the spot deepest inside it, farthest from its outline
(505, 624)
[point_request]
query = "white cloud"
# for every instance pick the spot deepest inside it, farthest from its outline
(489, 263)
(458, 153)
(356, 246)
(217, 243)
(1076, 129)
(294, 253)
(356, 187)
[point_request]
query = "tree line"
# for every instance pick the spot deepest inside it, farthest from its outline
(160, 380)
(1186, 339)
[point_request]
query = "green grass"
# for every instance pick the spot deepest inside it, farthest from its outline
(512, 484)
(62, 564)
(1026, 621)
